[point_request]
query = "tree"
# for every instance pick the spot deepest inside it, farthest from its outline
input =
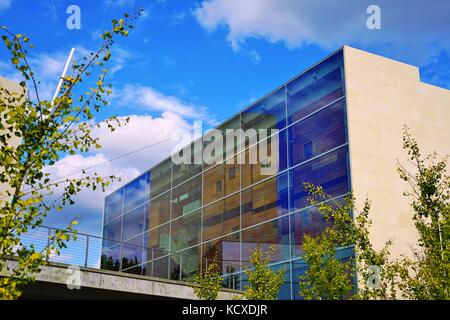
(329, 277)
(47, 131)
(427, 275)
(207, 284)
(263, 282)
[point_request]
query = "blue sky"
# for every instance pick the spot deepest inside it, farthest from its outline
(207, 59)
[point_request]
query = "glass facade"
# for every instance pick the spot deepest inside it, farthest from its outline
(172, 220)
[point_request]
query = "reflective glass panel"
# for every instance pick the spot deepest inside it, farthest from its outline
(267, 165)
(186, 169)
(136, 192)
(209, 138)
(110, 259)
(308, 221)
(158, 268)
(221, 217)
(133, 222)
(159, 211)
(265, 201)
(161, 175)
(157, 241)
(315, 88)
(132, 254)
(275, 232)
(113, 205)
(317, 134)
(269, 113)
(232, 173)
(185, 231)
(185, 265)
(328, 171)
(112, 231)
(299, 268)
(225, 251)
(187, 197)
(213, 183)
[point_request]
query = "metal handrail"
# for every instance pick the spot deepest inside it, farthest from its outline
(92, 248)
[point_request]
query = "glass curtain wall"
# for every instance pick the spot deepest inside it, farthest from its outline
(175, 219)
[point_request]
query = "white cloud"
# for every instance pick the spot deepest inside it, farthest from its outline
(419, 29)
(49, 65)
(5, 4)
(254, 56)
(141, 131)
(151, 99)
(74, 163)
(9, 72)
(47, 68)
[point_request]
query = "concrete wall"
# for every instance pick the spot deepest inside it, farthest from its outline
(12, 87)
(382, 96)
(113, 284)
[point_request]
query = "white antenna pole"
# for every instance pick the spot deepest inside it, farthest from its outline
(63, 74)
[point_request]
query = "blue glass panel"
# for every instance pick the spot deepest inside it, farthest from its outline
(265, 201)
(133, 222)
(285, 290)
(305, 222)
(275, 232)
(269, 113)
(136, 192)
(315, 88)
(113, 205)
(299, 268)
(112, 232)
(329, 171)
(317, 134)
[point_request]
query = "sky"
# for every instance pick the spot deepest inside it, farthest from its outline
(188, 60)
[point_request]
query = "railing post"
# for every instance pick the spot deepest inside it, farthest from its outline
(87, 252)
(180, 266)
(48, 242)
(153, 255)
(234, 282)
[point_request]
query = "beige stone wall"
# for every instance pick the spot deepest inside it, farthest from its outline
(13, 87)
(382, 96)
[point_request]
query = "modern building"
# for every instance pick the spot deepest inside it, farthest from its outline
(340, 126)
